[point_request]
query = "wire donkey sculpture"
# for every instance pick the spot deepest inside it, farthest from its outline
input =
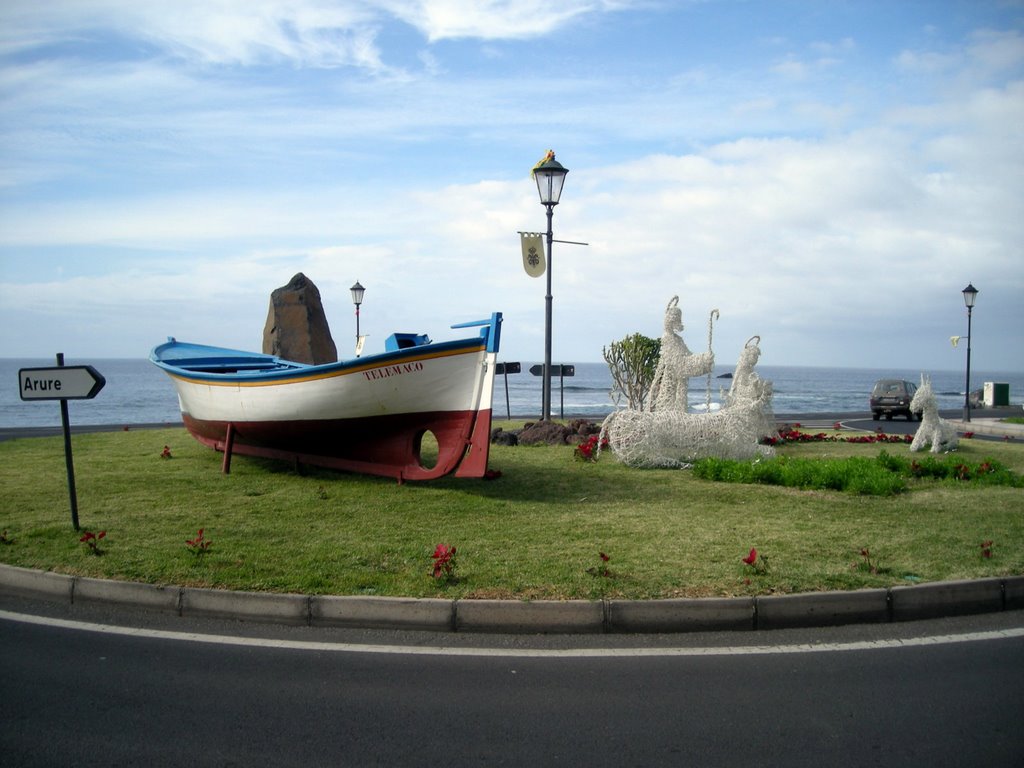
(934, 429)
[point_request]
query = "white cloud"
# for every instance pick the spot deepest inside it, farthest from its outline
(493, 19)
(790, 67)
(310, 33)
(997, 51)
(246, 32)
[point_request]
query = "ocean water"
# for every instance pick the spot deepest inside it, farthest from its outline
(797, 390)
(137, 392)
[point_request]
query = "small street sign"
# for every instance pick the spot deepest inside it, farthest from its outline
(556, 370)
(73, 382)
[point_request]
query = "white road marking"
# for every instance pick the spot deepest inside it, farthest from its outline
(536, 653)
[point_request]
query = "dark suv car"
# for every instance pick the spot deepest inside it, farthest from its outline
(892, 397)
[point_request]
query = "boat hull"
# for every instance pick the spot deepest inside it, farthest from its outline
(411, 414)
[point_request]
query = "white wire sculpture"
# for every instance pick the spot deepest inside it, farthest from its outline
(934, 429)
(748, 386)
(676, 364)
(669, 436)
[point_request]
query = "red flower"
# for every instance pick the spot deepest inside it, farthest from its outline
(604, 556)
(444, 561)
(92, 540)
(751, 558)
(199, 543)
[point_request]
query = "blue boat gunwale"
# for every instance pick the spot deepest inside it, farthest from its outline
(254, 368)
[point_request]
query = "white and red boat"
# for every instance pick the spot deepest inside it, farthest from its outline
(369, 415)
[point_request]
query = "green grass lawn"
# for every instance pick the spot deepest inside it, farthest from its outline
(535, 532)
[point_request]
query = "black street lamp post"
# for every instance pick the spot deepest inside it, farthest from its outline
(357, 299)
(970, 294)
(549, 175)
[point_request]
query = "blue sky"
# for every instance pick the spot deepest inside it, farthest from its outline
(828, 175)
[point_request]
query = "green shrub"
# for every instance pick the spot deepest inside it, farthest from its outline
(885, 475)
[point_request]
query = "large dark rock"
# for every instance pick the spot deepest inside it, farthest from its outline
(545, 432)
(296, 326)
(584, 427)
(500, 437)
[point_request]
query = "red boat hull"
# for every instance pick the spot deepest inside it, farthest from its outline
(390, 446)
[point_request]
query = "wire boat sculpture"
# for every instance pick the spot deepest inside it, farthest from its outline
(368, 415)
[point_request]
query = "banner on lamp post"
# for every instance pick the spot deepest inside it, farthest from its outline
(533, 253)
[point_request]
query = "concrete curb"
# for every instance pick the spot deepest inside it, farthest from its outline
(821, 609)
(712, 614)
(989, 426)
(533, 617)
(432, 614)
(131, 593)
(1013, 593)
(947, 598)
(44, 585)
(812, 609)
(270, 607)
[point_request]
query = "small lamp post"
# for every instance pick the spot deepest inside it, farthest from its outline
(357, 299)
(970, 294)
(550, 176)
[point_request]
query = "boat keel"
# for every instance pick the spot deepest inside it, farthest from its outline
(387, 447)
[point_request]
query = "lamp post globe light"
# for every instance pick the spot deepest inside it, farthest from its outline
(550, 176)
(970, 294)
(357, 299)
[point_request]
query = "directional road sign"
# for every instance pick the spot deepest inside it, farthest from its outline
(73, 382)
(556, 370)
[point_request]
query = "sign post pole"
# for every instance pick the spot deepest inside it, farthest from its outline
(68, 459)
(505, 369)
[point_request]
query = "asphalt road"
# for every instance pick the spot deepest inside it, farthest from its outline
(924, 693)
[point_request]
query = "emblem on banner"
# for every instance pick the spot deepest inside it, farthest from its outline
(533, 253)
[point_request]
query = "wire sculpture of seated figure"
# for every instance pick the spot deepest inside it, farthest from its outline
(747, 386)
(676, 365)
